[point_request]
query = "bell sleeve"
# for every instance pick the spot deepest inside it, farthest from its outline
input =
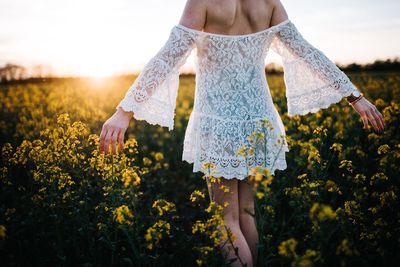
(312, 80)
(152, 96)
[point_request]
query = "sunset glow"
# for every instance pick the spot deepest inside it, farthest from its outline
(100, 38)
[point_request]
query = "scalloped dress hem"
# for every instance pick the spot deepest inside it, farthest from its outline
(280, 165)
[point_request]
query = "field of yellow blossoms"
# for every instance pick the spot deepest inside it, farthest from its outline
(65, 204)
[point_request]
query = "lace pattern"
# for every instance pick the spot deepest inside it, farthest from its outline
(152, 97)
(232, 95)
(210, 139)
(312, 80)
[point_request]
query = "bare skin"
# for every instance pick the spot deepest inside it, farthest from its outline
(238, 217)
(232, 17)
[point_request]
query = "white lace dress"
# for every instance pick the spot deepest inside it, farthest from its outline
(232, 94)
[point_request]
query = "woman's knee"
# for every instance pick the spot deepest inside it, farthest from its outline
(231, 215)
(246, 211)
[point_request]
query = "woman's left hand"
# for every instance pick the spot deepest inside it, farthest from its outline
(113, 131)
(369, 112)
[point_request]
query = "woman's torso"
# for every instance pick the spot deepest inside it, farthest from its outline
(235, 17)
(230, 81)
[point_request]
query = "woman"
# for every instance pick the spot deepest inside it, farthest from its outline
(311, 83)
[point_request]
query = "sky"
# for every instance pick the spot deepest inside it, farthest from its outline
(98, 37)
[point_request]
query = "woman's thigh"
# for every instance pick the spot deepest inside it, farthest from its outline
(226, 190)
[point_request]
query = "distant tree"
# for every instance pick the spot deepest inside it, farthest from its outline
(378, 65)
(13, 72)
(388, 64)
(41, 71)
(353, 67)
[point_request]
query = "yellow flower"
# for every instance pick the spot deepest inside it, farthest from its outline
(320, 129)
(326, 213)
(123, 215)
(241, 151)
(347, 164)
(256, 169)
(267, 172)
(101, 226)
(209, 168)
(350, 206)
(205, 250)
(2, 231)
(147, 161)
(208, 165)
(260, 195)
(321, 212)
(344, 248)
(304, 262)
(304, 128)
(196, 195)
(131, 145)
(269, 209)
(337, 147)
(129, 176)
(213, 207)
(302, 176)
(266, 182)
(156, 232)
(258, 177)
(198, 226)
(163, 206)
(383, 149)
(63, 119)
(265, 123)
(159, 156)
(214, 179)
(136, 179)
(331, 186)
(224, 188)
(314, 156)
(287, 247)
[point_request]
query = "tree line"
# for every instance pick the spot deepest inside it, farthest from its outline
(390, 64)
(12, 72)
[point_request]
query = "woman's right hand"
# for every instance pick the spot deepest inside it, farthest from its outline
(113, 131)
(369, 112)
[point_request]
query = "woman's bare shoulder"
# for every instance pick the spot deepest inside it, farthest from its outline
(279, 13)
(194, 14)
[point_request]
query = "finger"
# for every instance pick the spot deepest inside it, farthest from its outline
(121, 140)
(372, 119)
(365, 121)
(107, 140)
(382, 118)
(102, 136)
(378, 119)
(114, 138)
(100, 140)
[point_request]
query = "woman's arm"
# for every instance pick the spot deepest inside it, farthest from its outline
(312, 80)
(152, 96)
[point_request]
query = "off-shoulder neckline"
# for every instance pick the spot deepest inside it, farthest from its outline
(232, 35)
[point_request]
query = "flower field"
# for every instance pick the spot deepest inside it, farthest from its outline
(65, 204)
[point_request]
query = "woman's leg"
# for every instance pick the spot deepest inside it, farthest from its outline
(247, 217)
(231, 218)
